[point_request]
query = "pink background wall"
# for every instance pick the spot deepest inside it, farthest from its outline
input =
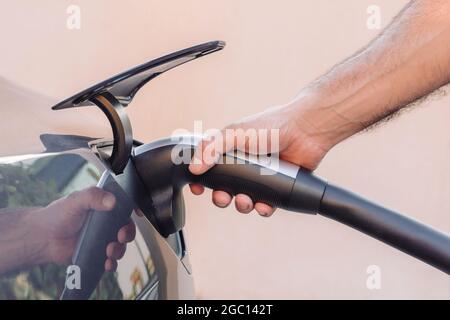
(273, 49)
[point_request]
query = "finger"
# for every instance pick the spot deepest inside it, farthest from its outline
(209, 150)
(110, 265)
(92, 198)
(204, 158)
(115, 250)
(197, 189)
(263, 209)
(127, 233)
(243, 203)
(221, 198)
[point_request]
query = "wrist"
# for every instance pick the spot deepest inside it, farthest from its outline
(36, 238)
(321, 121)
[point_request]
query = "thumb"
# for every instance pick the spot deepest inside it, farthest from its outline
(209, 150)
(92, 198)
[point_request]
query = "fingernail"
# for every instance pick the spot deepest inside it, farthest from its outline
(245, 208)
(222, 205)
(108, 200)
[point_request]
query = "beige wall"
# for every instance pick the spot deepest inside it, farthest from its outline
(273, 49)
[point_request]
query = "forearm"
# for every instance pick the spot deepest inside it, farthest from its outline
(410, 59)
(20, 242)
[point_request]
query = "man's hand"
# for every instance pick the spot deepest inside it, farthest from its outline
(56, 227)
(407, 61)
(299, 143)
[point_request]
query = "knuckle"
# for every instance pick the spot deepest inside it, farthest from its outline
(84, 194)
(94, 191)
